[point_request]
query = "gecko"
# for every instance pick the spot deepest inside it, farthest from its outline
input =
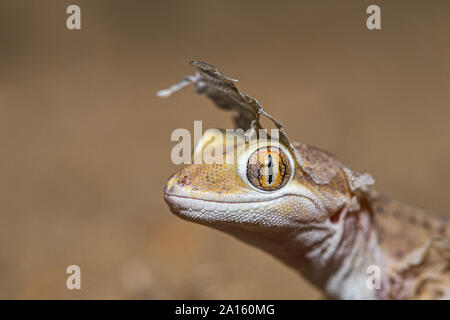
(303, 206)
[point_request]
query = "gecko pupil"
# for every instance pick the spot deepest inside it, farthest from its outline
(268, 168)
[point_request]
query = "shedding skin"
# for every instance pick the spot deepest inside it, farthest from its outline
(326, 221)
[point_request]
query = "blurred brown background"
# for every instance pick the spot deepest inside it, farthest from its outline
(85, 142)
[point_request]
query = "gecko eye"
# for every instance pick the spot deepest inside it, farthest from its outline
(268, 168)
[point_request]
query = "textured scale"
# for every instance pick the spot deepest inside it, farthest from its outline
(417, 244)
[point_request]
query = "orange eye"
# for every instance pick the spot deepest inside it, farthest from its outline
(268, 168)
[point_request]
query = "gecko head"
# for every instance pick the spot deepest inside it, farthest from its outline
(251, 183)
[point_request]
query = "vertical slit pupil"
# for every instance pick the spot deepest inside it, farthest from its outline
(270, 169)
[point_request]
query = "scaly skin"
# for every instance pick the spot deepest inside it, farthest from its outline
(416, 245)
(330, 232)
(306, 208)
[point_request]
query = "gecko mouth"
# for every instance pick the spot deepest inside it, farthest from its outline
(167, 196)
(180, 205)
(264, 213)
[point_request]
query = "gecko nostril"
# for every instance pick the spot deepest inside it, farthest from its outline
(184, 180)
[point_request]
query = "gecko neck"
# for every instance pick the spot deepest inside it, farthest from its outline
(332, 255)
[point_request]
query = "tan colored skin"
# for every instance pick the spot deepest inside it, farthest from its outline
(332, 239)
(416, 244)
(324, 219)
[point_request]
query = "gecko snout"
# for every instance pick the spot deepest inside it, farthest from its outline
(170, 185)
